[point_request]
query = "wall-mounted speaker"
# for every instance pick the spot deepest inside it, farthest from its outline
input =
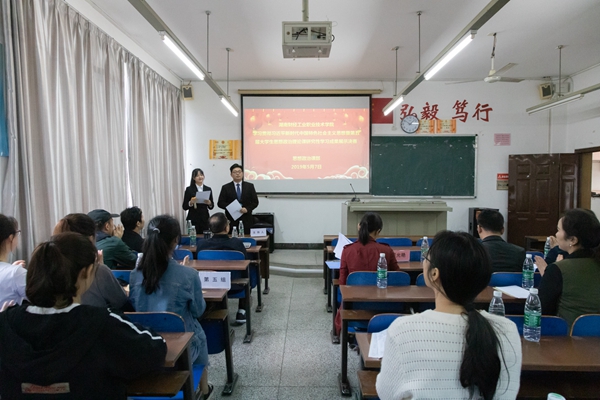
(546, 90)
(187, 92)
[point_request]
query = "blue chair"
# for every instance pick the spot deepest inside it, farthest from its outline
(164, 322)
(252, 241)
(181, 254)
(512, 278)
(535, 253)
(381, 322)
(420, 280)
(415, 255)
(551, 325)
(429, 240)
(184, 240)
(395, 241)
(423, 306)
(122, 275)
(231, 255)
(586, 325)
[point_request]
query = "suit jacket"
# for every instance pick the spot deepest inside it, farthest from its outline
(198, 215)
(249, 201)
(505, 257)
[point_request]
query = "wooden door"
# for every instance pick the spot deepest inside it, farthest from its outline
(540, 188)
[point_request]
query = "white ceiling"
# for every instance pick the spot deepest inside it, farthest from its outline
(365, 32)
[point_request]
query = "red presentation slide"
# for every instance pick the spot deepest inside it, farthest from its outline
(306, 143)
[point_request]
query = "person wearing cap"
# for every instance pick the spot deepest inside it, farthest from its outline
(108, 239)
(244, 192)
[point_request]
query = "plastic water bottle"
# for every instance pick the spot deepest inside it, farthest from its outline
(234, 232)
(188, 226)
(555, 396)
(241, 225)
(497, 305)
(532, 326)
(528, 270)
(382, 271)
(424, 248)
(547, 247)
(192, 236)
(139, 259)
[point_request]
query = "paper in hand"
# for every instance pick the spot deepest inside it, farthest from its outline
(234, 209)
(342, 241)
(201, 196)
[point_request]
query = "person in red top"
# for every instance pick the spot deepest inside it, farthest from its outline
(363, 254)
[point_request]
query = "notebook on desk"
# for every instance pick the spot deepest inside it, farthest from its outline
(402, 255)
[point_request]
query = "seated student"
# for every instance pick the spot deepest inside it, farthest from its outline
(454, 351)
(108, 239)
(105, 290)
(84, 352)
(159, 283)
(506, 257)
(12, 276)
(569, 288)
(219, 226)
(133, 223)
(363, 254)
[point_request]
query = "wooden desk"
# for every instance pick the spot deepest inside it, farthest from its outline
(400, 294)
(178, 357)
(230, 265)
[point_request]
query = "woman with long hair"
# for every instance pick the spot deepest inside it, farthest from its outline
(58, 345)
(197, 210)
(159, 283)
(454, 351)
(363, 254)
(105, 290)
(12, 276)
(569, 288)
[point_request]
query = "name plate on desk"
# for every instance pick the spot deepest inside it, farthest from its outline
(215, 280)
(255, 232)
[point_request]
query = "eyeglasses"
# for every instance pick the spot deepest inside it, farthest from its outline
(18, 233)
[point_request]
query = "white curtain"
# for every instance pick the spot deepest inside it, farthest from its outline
(70, 128)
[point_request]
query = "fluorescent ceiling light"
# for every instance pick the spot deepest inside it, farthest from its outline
(182, 56)
(230, 106)
(395, 102)
(450, 55)
(578, 95)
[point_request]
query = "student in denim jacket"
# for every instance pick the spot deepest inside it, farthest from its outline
(159, 283)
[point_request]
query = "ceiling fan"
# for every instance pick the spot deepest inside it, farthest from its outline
(495, 76)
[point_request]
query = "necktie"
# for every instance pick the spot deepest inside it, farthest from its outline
(239, 192)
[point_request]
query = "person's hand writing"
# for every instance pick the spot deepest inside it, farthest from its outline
(7, 304)
(21, 263)
(118, 231)
(243, 210)
(541, 264)
(186, 261)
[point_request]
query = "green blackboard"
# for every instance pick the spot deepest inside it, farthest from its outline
(415, 165)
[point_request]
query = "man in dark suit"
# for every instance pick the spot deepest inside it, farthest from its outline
(505, 257)
(244, 192)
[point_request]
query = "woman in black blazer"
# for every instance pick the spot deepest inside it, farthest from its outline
(197, 211)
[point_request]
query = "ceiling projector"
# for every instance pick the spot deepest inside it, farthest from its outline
(306, 39)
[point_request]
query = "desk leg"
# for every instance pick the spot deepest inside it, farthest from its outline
(259, 307)
(328, 282)
(325, 268)
(232, 377)
(249, 333)
(185, 363)
(345, 388)
(335, 339)
(267, 262)
(267, 289)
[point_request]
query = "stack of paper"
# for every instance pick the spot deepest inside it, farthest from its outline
(514, 291)
(377, 344)
(342, 241)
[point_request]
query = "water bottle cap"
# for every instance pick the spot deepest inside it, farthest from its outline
(529, 256)
(382, 255)
(497, 293)
(140, 255)
(555, 396)
(533, 291)
(425, 237)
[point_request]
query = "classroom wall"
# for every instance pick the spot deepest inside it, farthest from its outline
(304, 219)
(583, 122)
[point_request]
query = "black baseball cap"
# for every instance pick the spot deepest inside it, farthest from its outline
(101, 216)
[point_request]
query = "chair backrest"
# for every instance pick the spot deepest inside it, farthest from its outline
(586, 325)
(179, 254)
(551, 325)
(506, 279)
(420, 280)
(220, 255)
(252, 241)
(535, 253)
(429, 240)
(381, 322)
(122, 274)
(160, 321)
(395, 278)
(184, 240)
(415, 255)
(395, 241)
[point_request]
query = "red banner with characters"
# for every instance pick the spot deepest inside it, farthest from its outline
(306, 143)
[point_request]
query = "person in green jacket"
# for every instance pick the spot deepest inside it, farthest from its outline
(108, 239)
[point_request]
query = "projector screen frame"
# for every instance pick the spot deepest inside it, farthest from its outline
(366, 94)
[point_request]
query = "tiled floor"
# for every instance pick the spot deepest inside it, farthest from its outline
(291, 356)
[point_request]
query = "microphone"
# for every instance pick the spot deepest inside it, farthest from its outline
(354, 199)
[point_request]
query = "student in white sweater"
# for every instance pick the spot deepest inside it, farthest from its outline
(454, 351)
